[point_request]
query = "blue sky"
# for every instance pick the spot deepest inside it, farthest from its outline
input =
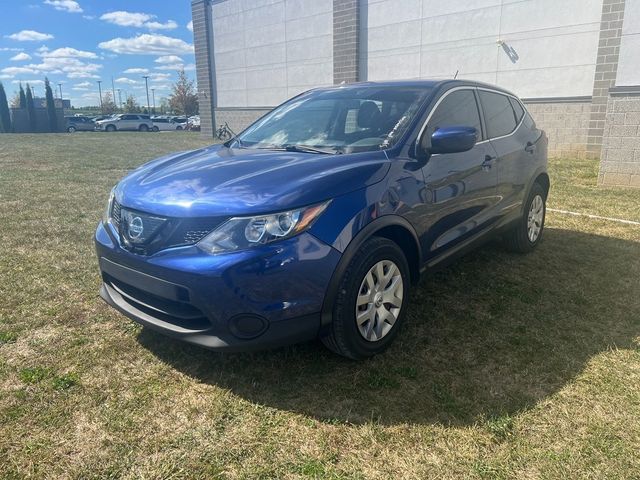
(77, 42)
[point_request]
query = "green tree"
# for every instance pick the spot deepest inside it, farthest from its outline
(31, 110)
(51, 107)
(5, 117)
(23, 98)
(131, 105)
(108, 105)
(183, 98)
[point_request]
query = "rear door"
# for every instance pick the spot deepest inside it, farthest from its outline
(128, 122)
(460, 193)
(514, 144)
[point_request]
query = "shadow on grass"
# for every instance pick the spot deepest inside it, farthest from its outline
(489, 336)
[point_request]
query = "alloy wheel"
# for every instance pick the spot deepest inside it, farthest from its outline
(535, 218)
(379, 300)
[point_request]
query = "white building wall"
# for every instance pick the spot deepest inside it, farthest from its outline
(556, 42)
(266, 51)
(629, 60)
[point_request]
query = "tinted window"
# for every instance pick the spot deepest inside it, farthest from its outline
(144, 117)
(498, 114)
(160, 120)
(517, 108)
(457, 109)
(129, 117)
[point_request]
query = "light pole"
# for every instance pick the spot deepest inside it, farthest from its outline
(113, 90)
(100, 91)
(120, 99)
(60, 86)
(146, 82)
(153, 94)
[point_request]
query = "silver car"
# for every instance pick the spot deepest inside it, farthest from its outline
(126, 121)
(79, 123)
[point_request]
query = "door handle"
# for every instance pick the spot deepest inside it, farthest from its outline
(530, 148)
(488, 162)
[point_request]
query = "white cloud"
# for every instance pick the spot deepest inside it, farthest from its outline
(190, 26)
(148, 44)
(30, 36)
(65, 5)
(160, 76)
(135, 71)
(177, 67)
(126, 80)
(10, 49)
(19, 71)
(138, 20)
(72, 67)
(169, 25)
(82, 86)
(21, 57)
(30, 82)
(4, 76)
(169, 59)
(82, 75)
(67, 52)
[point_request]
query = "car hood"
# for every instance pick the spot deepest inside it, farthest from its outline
(225, 181)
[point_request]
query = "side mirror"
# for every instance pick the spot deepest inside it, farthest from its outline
(453, 139)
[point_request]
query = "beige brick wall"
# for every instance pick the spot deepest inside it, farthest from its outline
(566, 125)
(620, 157)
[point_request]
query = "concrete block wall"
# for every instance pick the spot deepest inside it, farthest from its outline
(346, 21)
(620, 158)
(238, 118)
(566, 125)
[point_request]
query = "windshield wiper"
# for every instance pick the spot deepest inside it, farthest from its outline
(306, 149)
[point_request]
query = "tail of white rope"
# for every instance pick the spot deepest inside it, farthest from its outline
(598, 217)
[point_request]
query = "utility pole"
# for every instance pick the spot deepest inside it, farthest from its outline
(120, 99)
(153, 94)
(60, 86)
(100, 91)
(113, 90)
(146, 82)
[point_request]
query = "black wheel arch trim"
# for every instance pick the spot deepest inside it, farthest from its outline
(362, 236)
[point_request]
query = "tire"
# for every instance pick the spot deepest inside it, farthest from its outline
(178, 128)
(71, 129)
(345, 336)
(110, 128)
(527, 234)
(143, 128)
(155, 128)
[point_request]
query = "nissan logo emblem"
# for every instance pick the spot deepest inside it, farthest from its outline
(136, 227)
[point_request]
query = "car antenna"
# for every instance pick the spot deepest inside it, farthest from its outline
(456, 75)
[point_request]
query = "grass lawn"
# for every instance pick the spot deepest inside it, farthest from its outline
(509, 366)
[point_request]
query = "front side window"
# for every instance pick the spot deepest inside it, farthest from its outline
(339, 120)
(498, 114)
(459, 108)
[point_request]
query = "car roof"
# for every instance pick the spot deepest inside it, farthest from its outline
(426, 84)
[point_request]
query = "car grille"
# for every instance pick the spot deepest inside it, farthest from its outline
(161, 232)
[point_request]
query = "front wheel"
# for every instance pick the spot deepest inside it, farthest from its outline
(527, 234)
(71, 129)
(110, 128)
(143, 128)
(155, 128)
(178, 128)
(371, 301)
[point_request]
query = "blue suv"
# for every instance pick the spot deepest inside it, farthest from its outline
(317, 219)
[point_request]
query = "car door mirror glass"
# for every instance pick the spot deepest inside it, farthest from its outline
(453, 139)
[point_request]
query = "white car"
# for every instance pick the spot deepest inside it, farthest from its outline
(163, 124)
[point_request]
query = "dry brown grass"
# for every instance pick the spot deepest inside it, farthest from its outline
(509, 366)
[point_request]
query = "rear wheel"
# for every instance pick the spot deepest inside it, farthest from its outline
(143, 128)
(110, 128)
(527, 234)
(371, 301)
(178, 128)
(71, 129)
(155, 128)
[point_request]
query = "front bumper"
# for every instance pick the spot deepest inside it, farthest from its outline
(256, 298)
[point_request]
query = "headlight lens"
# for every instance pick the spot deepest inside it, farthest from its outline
(106, 216)
(240, 233)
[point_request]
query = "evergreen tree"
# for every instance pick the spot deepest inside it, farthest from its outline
(183, 98)
(108, 105)
(51, 107)
(131, 105)
(23, 98)
(31, 110)
(5, 117)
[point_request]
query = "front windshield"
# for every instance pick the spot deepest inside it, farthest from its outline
(338, 121)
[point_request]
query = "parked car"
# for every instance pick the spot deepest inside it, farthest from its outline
(193, 123)
(79, 122)
(182, 121)
(126, 121)
(165, 124)
(318, 218)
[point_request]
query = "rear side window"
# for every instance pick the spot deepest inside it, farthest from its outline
(498, 113)
(517, 108)
(459, 108)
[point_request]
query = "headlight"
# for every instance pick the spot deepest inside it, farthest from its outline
(106, 216)
(240, 233)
